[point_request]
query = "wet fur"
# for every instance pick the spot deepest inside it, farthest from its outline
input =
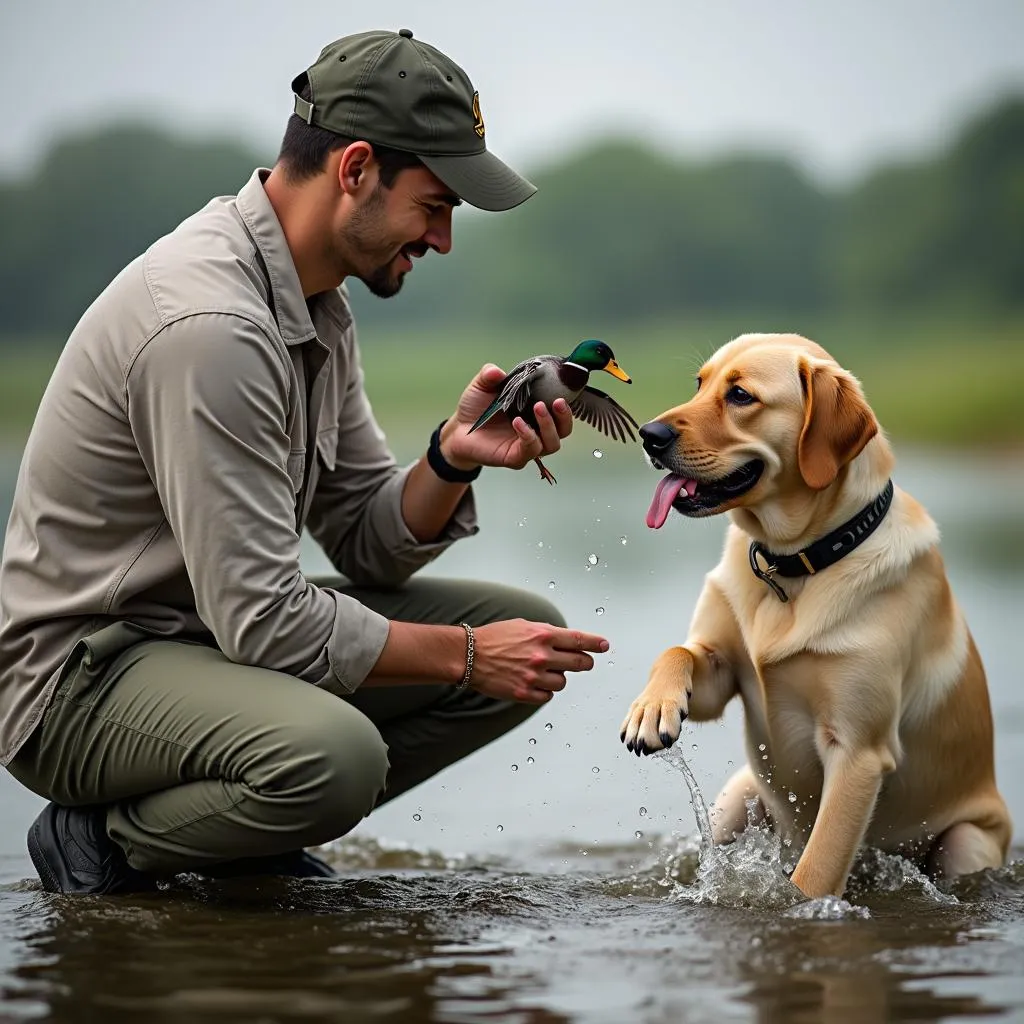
(866, 688)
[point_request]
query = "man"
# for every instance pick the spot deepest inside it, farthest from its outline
(169, 680)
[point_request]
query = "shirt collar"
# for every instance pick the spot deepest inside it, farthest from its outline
(290, 308)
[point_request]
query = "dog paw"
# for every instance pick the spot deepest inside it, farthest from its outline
(653, 723)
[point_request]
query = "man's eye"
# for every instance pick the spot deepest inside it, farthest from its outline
(737, 396)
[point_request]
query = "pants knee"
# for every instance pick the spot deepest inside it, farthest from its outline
(335, 780)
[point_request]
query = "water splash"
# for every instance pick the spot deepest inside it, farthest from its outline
(827, 908)
(749, 872)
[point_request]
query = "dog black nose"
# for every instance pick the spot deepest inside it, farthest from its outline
(657, 437)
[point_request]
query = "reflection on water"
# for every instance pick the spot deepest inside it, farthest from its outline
(418, 942)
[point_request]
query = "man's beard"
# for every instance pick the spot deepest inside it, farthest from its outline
(364, 235)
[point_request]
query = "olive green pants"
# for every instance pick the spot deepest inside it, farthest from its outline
(203, 761)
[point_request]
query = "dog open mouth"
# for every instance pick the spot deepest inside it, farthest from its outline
(693, 497)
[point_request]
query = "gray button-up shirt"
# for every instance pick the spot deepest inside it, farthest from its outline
(200, 416)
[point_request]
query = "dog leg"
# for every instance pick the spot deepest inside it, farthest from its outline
(700, 670)
(729, 814)
(852, 781)
(964, 849)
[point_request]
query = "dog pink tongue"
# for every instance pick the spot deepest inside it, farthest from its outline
(667, 492)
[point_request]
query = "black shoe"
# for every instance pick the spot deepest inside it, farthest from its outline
(294, 864)
(72, 852)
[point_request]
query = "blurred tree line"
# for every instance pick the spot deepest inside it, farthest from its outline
(618, 232)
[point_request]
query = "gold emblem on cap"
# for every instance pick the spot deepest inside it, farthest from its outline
(479, 126)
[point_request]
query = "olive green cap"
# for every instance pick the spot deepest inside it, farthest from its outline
(393, 90)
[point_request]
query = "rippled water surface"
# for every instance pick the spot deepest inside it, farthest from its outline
(573, 886)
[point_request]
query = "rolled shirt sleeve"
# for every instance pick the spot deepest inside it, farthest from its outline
(207, 400)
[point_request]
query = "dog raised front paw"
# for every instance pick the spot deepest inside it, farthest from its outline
(655, 718)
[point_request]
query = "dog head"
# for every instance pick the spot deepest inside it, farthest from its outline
(774, 416)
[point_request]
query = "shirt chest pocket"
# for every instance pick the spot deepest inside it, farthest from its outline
(327, 447)
(326, 456)
(297, 468)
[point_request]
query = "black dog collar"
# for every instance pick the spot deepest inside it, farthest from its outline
(822, 553)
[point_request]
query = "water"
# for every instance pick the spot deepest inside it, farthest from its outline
(556, 893)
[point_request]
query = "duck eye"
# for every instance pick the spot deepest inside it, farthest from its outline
(737, 396)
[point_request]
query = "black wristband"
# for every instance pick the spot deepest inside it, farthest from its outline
(444, 469)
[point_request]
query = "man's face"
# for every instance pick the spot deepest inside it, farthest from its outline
(393, 226)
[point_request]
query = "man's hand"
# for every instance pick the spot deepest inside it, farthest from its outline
(527, 661)
(500, 443)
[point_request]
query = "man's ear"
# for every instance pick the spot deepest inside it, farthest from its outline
(353, 165)
(837, 422)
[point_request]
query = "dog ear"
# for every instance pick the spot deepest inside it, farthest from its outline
(837, 423)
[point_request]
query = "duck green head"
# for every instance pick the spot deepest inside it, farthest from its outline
(595, 355)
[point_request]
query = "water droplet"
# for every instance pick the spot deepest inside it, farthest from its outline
(592, 558)
(522, 522)
(533, 742)
(598, 454)
(792, 798)
(760, 746)
(764, 757)
(529, 760)
(596, 769)
(540, 543)
(515, 767)
(548, 727)
(501, 828)
(695, 746)
(568, 746)
(551, 584)
(622, 540)
(643, 811)
(638, 834)
(599, 610)
(417, 817)
(611, 663)
(729, 764)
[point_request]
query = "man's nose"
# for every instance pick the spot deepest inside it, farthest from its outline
(657, 437)
(439, 234)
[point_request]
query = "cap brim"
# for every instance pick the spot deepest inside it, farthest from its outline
(481, 180)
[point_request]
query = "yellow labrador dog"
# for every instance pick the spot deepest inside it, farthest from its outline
(830, 616)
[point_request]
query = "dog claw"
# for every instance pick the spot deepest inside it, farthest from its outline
(666, 740)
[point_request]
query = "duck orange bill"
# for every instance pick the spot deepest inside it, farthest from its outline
(615, 370)
(669, 488)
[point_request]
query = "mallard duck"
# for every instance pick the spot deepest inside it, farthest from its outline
(545, 378)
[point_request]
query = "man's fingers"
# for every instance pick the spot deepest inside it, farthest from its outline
(531, 443)
(563, 417)
(489, 377)
(553, 682)
(548, 431)
(570, 661)
(577, 640)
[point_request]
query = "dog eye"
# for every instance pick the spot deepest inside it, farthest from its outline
(698, 383)
(737, 396)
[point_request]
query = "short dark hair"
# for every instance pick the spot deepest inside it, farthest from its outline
(305, 148)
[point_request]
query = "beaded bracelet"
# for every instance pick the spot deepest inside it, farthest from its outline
(470, 651)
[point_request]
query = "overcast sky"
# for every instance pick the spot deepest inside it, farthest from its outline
(836, 83)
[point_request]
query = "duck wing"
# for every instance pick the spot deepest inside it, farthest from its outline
(603, 413)
(514, 391)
